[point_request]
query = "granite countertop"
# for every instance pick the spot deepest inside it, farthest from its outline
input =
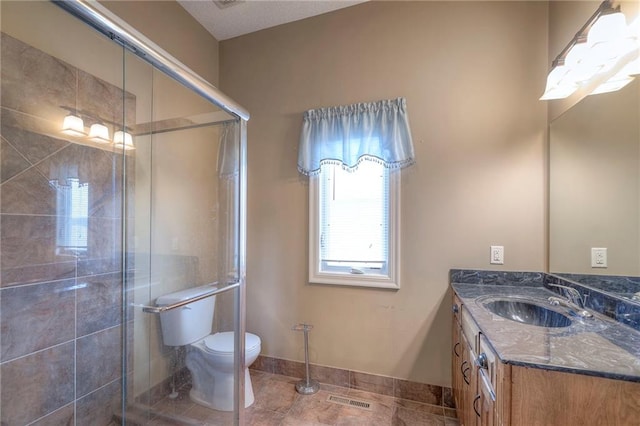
(597, 347)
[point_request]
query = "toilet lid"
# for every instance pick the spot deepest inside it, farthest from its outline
(223, 342)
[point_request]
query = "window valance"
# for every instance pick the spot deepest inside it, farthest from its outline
(347, 135)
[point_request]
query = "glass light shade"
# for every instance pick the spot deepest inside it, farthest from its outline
(123, 140)
(99, 133)
(633, 30)
(608, 53)
(555, 75)
(579, 65)
(554, 89)
(576, 55)
(615, 83)
(581, 73)
(73, 126)
(632, 68)
(559, 92)
(609, 27)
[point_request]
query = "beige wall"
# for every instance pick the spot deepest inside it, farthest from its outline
(472, 73)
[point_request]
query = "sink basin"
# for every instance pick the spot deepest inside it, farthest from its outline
(527, 313)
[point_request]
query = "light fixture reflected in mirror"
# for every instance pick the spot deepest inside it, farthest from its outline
(99, 133)
(73, 126)
(123, 140)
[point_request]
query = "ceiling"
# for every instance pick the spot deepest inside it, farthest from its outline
(238, 17)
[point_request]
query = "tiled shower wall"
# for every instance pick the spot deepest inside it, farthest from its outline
(60, 308)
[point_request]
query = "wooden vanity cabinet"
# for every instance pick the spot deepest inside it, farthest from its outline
(472, 384)
(490, 393)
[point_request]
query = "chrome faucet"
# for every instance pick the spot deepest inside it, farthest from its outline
(571, 294)
(574, 300)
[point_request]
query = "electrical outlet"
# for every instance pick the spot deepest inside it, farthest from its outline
(497, 255)
(598, 257)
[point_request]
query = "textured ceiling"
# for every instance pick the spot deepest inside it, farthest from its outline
(247, 16)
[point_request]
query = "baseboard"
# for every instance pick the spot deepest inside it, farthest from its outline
(383, 385)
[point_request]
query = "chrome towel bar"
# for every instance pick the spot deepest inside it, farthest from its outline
(213, 292)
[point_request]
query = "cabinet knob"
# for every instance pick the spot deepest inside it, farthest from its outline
(455, 309)
(482, 361)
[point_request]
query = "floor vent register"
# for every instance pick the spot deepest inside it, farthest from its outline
(349, 402)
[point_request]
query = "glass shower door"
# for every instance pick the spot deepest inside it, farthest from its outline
(182, 231)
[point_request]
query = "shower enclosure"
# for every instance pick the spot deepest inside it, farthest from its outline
(122, 179)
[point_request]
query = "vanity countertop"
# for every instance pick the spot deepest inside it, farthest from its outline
(596, 347)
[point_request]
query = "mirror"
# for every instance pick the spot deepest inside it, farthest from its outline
(594, 187)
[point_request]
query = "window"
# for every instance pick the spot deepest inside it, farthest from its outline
(354, 226)
(352, 155)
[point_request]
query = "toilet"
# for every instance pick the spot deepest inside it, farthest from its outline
(209, 356)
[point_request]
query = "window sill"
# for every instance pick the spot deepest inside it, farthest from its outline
(355, 280)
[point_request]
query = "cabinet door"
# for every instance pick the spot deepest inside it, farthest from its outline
(456, 355)
(485, 405)
(456, 363)
(469, 385)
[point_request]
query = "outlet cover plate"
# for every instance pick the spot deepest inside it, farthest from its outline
(497, 255)
(598, 257)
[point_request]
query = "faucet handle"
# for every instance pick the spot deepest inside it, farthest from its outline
(584, 299)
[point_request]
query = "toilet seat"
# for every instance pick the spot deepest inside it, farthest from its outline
(222, 343)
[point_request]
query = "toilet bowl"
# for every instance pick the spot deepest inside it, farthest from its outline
(210, 361)
(209, 356)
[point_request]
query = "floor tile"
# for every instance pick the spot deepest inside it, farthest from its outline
(278, 404)
(276, 395)
(256, 416)
(406, 417)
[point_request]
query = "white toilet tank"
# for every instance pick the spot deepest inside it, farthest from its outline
(190, 323)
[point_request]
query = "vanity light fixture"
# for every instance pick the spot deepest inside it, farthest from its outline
(123, 140)
(73, 126)
(99, 133)
(599, 45)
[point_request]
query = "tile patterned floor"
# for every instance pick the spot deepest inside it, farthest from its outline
(278, 404)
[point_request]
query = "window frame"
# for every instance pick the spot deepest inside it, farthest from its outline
(390, 280)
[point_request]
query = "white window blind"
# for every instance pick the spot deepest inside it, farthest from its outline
(72, 210)
(354, 218)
